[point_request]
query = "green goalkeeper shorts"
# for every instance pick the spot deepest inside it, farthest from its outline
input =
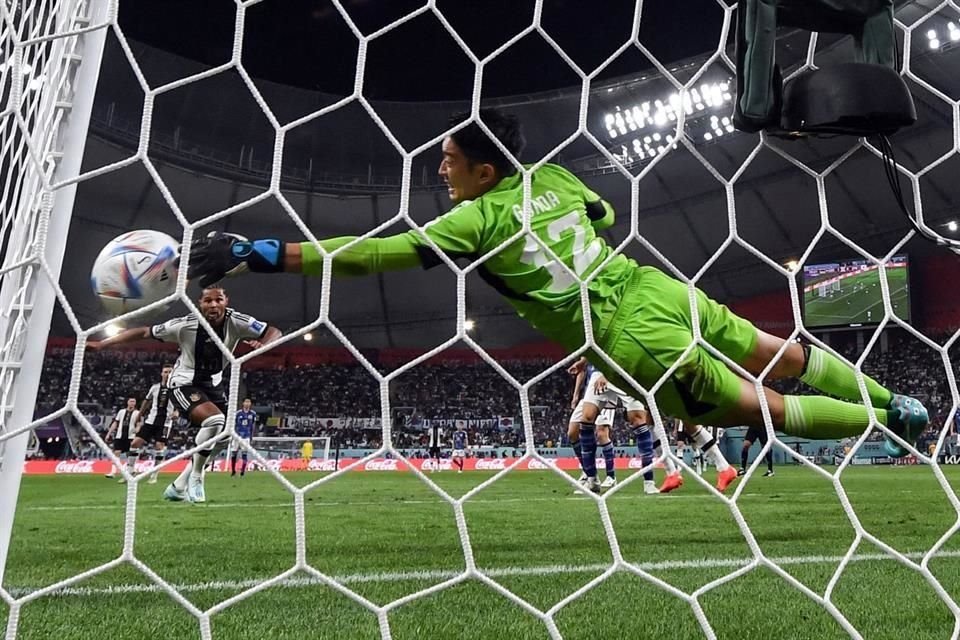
(652, 330)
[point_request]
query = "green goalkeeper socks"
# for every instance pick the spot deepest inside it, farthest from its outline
(829, 374)
(817, 417)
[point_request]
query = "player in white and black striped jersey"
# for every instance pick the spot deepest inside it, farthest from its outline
(197, 377)
(435, 433)
(705, 449)
(157, 414)
(121, 432)
(700, 457)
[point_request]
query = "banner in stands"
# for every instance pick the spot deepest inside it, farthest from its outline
(93, 467)
(291, 421)
(312, 422)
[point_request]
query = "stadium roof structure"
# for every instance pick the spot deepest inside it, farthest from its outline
(213, 147)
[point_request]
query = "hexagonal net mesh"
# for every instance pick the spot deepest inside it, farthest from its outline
(45, 45)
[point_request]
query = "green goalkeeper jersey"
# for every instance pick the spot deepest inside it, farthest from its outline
(566, 215)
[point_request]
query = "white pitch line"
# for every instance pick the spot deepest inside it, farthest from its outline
(280, 505)
(437, 575)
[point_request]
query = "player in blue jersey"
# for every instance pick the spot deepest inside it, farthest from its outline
(953, 441)
(459, 447)
(597, 409)
(583, 371)
(588, 408)
(246, 420)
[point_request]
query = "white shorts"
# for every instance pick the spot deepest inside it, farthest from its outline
(610, 398)
(577, 416)
(604, 418)
(235, 443)
(459, 453)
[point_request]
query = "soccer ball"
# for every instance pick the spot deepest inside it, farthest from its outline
(134, 270)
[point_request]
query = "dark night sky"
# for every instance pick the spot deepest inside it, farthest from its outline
(306, 43)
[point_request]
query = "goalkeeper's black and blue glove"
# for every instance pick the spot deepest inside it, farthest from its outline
(227, 254)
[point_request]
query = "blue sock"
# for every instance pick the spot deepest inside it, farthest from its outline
(608, 459)
(588, 448)
(644, 439)
(577, 452)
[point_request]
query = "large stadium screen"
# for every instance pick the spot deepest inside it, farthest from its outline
(848, 294)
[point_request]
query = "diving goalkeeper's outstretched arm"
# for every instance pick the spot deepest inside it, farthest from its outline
(226, 255)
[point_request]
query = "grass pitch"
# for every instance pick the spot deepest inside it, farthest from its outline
(850, 305)
(387, 535)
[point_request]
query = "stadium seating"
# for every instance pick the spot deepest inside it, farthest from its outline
(445, 390)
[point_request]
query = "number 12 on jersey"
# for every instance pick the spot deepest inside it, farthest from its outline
(583, 255)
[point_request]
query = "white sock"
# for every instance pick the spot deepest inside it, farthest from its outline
(668, 463)
(113, 469)
(708, 446)
(181, 482)
(199, 461)
(209, 428)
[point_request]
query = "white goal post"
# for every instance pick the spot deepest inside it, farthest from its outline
(53, 53)
(271, 447)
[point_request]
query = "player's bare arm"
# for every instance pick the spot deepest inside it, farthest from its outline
(272, 334)
(577, 386)
(126, 336)
(144, 409)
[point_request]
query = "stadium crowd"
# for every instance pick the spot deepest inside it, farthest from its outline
(436, 391)
(442, 390)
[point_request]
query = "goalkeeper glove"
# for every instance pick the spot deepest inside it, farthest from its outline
(227, 254)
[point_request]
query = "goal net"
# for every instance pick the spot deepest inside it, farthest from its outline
(274, 450)
(828, 288)
(51, 51)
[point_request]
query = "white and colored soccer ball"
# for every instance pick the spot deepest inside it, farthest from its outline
(134, 270)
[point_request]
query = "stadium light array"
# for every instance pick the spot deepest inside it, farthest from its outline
(112, 329)
(469, 325)
(933, 36)
(308, 337)
(646, 148)
(952, 225)
(661, 112)
(718, 127)
(792, 265)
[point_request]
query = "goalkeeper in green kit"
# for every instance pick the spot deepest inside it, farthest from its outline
(640, 315)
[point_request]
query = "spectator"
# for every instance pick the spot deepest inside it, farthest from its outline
(444, 390)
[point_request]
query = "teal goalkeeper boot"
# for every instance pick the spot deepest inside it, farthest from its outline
(907, 418)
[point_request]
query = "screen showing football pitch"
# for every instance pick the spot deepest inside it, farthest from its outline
(848, 293)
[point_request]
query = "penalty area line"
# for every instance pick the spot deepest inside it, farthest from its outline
(142, 504)
(437, 575)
